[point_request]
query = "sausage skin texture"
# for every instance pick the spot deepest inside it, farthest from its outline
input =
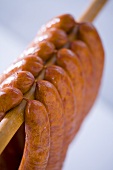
(60, 79)
(9, 98)
(89, 35)
(22, 80)
(56, 36)
(37, 141)
(44, 49)
(48, 95)
(30, 63)
(70, 63)
(84, 55)
(65, 22)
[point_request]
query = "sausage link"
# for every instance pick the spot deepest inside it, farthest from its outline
(48, 95)
(65, 22)
(69, 61)
(31, 63)
(84, 55)
(44, 49)
(37, 142)
(89, 35)
(9, 98)
(22, 80)
(56, 36)
(59, 78)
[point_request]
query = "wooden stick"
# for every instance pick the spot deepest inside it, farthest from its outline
(14, 118)
(92, 11)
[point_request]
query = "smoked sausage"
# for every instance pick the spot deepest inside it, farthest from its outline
(48, 95)
(84, 55)
(65, 22)
(30, 63)
(56, 36)
(22, 80)
(9, 98)
(37, 141)
(88, 34)
(70, 63)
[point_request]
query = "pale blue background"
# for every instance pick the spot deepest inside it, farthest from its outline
(92, 149)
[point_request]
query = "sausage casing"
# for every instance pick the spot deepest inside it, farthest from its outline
(60, 79)
(23, 80)
(48, 95)
(57, 36)
(9, 98)
(84, 55)
(30, 63)
(69, 62)
(89, 35)
(37, 142)
(65, 22)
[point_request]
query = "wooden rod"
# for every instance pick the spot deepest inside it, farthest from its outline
(15, 117)
(92, 11)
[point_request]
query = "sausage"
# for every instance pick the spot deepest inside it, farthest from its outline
(28, 53)
(44, 49)
(56, 36)
(22, 80)
(65, 22)
(59, 78)
(84, 55)
(48, 95)
(31, 63)
(37, 141)
(9, 98)
(89, 35)
(69, 62)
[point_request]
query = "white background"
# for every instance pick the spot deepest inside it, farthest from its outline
(92, 149)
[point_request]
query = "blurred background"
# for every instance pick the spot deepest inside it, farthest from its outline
(92, 149)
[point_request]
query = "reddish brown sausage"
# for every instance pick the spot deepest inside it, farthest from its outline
(43, 49)
(65, 22)
(37, 142)
(22, 80)
(9, 98)
(48, 95)
(57, 76)
(84, 55)
(56, 36)
(69, 61)
(89, 35)
(31, 63)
